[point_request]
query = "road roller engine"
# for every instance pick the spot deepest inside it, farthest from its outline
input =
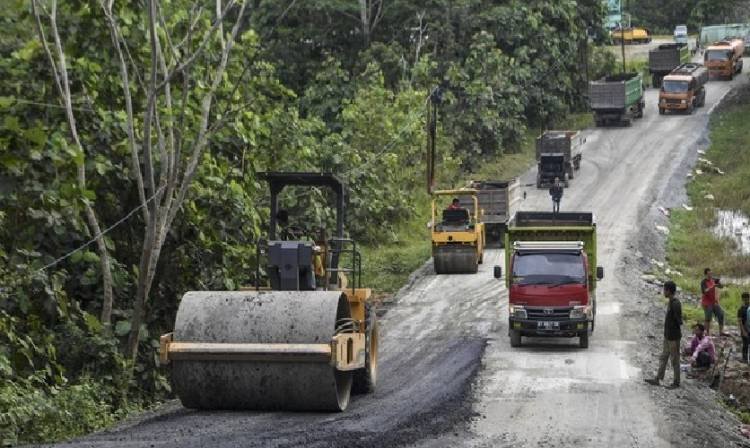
(458, 238)
(305, 342)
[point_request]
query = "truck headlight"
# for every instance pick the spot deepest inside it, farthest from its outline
(683, 101)
(580, 312)
(517, 311)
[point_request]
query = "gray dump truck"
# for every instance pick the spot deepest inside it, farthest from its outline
(558, 154)
(665, 58)
(498, 200)
(617, 99)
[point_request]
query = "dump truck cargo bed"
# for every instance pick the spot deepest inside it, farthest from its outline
(616, 91)
(666, 57)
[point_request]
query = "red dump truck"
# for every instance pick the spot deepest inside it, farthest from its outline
(552, 275)
(724, 58)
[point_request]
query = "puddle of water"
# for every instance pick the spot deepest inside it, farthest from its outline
(734, 225)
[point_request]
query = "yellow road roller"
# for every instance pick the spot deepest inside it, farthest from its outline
(458, 236)
(304, 342)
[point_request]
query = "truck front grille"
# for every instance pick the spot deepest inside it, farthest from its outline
(552, 314)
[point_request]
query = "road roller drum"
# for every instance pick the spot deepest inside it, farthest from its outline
(455, 259)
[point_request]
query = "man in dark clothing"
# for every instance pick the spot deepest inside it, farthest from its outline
(742, 320)
(710, 301)
(672, 336)
(556, 192)
(455, 205)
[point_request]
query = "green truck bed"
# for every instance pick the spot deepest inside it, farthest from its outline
(616, 92)
(546, 226)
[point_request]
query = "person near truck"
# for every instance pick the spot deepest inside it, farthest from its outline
(455, 205)
(672, 336)
(710, 301)
(556, 192)
(742, 321)
(701, 348)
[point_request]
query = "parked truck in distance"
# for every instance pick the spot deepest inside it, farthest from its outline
(632, 35)
(552, 275)
(664, 58)
(558, 155)
(684, 89)
(724, 58)
(617, 99)
(498, 200)
(681, 34)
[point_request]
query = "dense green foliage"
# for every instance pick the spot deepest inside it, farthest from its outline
(309, 86)
(661, 16)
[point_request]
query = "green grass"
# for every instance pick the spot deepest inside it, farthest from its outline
(691, 245)
(387, 266)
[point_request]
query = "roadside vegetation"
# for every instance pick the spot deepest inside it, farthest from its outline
(692, 245)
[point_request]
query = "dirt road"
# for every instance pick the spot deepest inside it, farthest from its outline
(448, 374)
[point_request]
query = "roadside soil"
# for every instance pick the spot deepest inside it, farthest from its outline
(447, 373)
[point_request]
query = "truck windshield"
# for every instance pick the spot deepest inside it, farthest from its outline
(544, 269)
(717, 55)
(675, 86)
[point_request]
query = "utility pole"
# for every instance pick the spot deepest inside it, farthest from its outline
(436, 97)
(622, 36)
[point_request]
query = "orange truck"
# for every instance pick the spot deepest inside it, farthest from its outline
(683, 89)
(724, 58)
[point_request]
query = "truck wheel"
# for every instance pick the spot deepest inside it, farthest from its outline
(583, 340)
(661, 111)
(731, 76)
(515, 338)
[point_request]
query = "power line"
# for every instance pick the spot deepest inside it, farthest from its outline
(102, 233)
(390, 144)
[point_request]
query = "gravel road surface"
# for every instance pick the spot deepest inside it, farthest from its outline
(447, 373)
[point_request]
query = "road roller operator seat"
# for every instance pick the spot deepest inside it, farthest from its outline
(455, 219)
(291, 265)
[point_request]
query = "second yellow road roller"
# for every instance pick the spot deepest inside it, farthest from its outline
(304, 342)
(458, 236)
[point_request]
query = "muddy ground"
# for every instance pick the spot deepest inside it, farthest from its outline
(447, 373)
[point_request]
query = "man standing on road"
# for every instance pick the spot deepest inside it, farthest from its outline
(672, 336)
(556, 192)
(742, 321)
(710, 301)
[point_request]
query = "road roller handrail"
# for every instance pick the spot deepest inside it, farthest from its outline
(338, 246)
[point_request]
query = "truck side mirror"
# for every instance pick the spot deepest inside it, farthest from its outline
(498, 272)
(599, 272)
